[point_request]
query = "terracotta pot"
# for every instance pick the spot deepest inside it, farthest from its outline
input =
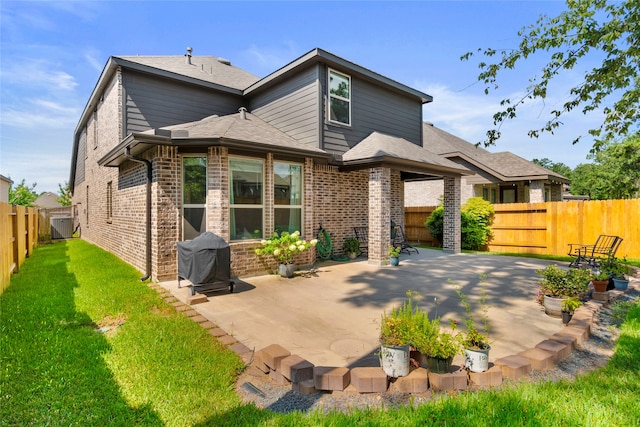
(600, 285)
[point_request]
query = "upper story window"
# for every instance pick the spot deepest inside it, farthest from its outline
(339, 98)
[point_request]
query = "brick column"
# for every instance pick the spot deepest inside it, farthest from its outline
(536, 191)
(452, 234)
(218, 191)
(165, 216)
(379, 215)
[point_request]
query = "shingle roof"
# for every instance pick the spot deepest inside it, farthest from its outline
(206, 68)
(251, 130)
(507, 164)
(378, 146)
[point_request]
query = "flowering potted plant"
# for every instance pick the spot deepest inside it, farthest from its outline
(283, 247)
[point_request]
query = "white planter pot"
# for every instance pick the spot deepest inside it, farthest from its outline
(287, 270)
(395, 360)
(476, 360)
(553, 306)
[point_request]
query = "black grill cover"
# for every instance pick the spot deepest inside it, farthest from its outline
(205, 259)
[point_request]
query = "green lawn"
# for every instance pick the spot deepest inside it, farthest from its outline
(159, 368)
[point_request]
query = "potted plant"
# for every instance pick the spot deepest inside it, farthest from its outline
(600, 280)
(557, 285)
(351, 247)
(568, 307)
(475, 343)
(438, 347)
(395, 338)
(283, 247)
(394, 255)
(619, 270)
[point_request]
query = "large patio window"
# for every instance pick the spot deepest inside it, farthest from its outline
(246, 198)
(287, 196)
(194, 196)
(339, 98)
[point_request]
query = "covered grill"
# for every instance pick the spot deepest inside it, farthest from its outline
(206, 262)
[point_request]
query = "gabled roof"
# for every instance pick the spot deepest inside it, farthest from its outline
(379, 148)
(505, 166)
(241, 130)
(334, 61)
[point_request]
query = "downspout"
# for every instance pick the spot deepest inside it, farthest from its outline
(127, 153)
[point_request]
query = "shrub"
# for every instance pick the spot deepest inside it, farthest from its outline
(476, 216)
(283, 247)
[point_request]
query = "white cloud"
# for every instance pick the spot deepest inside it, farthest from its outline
(265, 60)
(38, 73)
(94, 62)
(40, 114)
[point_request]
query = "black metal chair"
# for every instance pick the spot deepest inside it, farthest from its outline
(398, 239)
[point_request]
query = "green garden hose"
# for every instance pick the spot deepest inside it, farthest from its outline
(324, 244)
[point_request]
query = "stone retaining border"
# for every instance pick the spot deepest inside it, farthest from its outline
(280, 366)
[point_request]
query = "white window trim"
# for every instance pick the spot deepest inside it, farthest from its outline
(331, 70)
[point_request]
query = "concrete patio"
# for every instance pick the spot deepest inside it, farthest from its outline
(329, 314)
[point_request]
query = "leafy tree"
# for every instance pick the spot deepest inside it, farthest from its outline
(585, 180)
(64, 194)
(588, 28)
(560, 168)
(22, 194)
(615, 173)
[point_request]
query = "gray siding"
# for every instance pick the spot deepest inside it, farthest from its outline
(374, 109)
(293, 106)
(80, 158)
(152, 102)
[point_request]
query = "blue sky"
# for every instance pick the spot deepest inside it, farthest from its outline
(52, 54)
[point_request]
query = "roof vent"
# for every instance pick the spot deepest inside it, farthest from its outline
(243, 113)
(187, 56)
(224, 61)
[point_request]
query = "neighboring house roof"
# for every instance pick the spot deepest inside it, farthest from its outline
(382, 148)
(240, 130)
(47, 200)
(505, 166)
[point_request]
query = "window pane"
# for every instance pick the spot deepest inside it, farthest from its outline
(195, 180)
(339, 85)
(339, 111)
(287, 219)
(287, 182)
(193, 223)
(246, 182)
(246, 223)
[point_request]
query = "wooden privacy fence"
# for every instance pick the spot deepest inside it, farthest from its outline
(548, 228)
(18, 238)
